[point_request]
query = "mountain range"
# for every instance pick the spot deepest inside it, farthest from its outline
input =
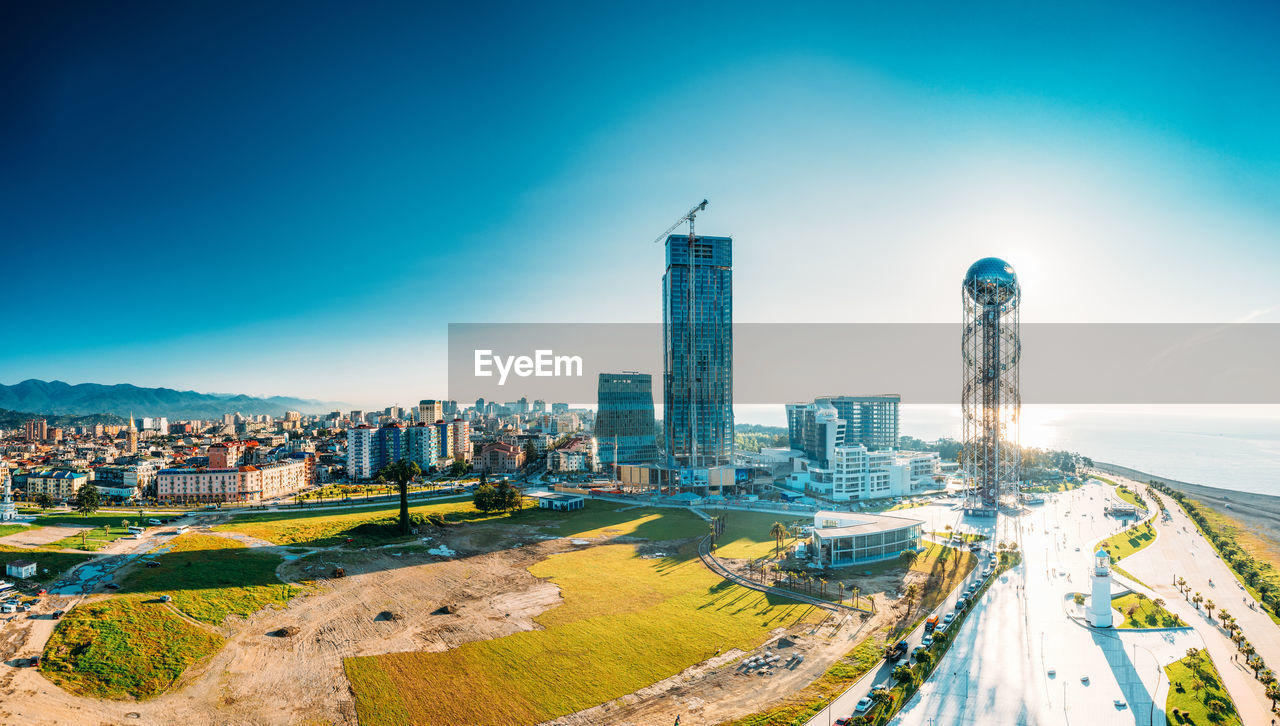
(59, 398)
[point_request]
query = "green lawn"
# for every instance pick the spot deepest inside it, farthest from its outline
(1127, 495)
(1146, 613)
(325, 527)
(625, 623)
(746, 534)
(1131, 540)
(210, 578)
(55, 562)
(1193, 685)
(7, 529)
(123, 647)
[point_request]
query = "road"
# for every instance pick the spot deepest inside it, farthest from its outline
(844, 704)
(1180, 551)
(1019, 658)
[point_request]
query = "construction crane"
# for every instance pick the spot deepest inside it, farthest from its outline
(691, 354)
(688, 217)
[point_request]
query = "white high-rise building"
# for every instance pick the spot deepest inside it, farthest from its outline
(360, 455)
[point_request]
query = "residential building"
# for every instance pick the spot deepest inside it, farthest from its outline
(37, 429)
(460, 444)
(60, 484)
(361, 459)
(422, 442)
(697, 331)
(625, 420)
(238, 484)
(430, 411)
(871, 421)
(854, 474)
(499, 457)
(576, 454)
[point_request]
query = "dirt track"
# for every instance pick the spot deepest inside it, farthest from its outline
(259, 678)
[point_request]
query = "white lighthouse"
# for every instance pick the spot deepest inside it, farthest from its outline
(1099, 613)
(7, 511)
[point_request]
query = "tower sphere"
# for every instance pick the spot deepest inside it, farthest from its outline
(991, 281)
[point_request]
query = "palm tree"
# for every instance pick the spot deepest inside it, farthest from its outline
(908, 557)
(1209, 606)
(401, 472)
(1273, 692)
(1197, 599)
(872, 600)
(1158, 602)
(856, 591)
(912, 591)
(779, 532)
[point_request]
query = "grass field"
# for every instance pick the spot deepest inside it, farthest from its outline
(626, 622)
(123, 647)
(55, 562)
(746, 534)
(1193, 685)
(7, 529)
(210, 578)
(1131, 540)
(325, 527)
(1147, 613)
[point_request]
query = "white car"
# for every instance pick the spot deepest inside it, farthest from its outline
(927, 641)
(863, 705)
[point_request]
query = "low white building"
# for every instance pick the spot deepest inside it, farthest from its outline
(843, 538)
(558, 501)
(858, 474)
(24, 569)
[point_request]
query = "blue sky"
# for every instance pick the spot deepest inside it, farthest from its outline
(298, 198)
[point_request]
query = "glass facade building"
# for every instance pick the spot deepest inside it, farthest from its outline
(624, 419)
(871, 421)
(697, 331)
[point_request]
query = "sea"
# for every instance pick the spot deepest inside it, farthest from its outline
(1230, 447)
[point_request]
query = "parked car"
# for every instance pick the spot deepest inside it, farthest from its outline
(948, 618)
(57, 614)
(165, 598)
(928, 641)
(34, 661)
(152, 563)
(863, 705)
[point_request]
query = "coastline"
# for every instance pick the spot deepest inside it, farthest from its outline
(1260, 512)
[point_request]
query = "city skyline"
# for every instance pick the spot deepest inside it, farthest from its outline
(1072, 154)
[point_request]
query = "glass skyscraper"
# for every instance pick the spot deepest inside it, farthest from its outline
(697, 332)
(624, 419)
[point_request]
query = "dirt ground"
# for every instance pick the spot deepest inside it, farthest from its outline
(389, 601)
(35, 536)
(718, 690)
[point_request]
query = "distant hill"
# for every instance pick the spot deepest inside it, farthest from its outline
(59, 398)
(16, 419)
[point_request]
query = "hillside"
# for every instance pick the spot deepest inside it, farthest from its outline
(59, 398)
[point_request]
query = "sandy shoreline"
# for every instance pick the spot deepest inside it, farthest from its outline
(1260, 512)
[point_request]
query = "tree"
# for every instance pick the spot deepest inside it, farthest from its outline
(485, 498)
(779, 532)
(908, 557)
(903, 674)
(88, 500)
(1209, 606)
(1158, 602)
(910, 594)
(872, 600)
(44, 501)
(401, 472)
(1273, 692)
(530, 454)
